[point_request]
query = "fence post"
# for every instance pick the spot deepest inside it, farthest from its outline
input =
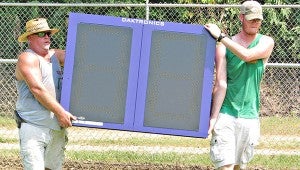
(147, 9)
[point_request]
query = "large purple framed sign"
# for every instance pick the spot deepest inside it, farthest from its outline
(138, 75)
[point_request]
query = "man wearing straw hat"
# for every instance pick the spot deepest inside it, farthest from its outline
(240, 64)
(42, 120)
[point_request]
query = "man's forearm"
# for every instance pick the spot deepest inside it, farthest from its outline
(47, 101)
(240, 51)
(218, 98)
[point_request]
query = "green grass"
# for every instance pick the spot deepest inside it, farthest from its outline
(9, 153)
(276, 161)
(111, 157)
(279, 145)
(144, 141)
(8, 140)
(274, 130)
(271, 127)
(287, 126)
(134, 157)
(7, 122)
(115, 157)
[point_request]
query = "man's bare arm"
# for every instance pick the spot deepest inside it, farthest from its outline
(27, 69)
(220, 86)
(262, 50)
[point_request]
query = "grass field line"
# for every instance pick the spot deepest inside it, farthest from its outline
(75, 135)
(13, 134)
(152, 149)
(92, 134)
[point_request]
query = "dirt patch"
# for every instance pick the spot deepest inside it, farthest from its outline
(96, 165)
(76, 165)
(15, 164)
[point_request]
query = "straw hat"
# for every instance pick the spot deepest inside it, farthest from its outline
(35, 26)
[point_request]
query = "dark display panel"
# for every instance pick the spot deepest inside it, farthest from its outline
(175, 80)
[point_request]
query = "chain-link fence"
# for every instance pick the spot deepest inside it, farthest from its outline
(111, 149)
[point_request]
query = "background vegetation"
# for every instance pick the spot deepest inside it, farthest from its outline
(277, 19)
(279, 147)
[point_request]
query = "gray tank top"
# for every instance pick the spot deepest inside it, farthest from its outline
(28, 107)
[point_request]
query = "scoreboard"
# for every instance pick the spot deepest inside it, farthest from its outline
(138, 75)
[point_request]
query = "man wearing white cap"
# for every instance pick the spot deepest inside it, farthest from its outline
(240, 63)
(40, 117)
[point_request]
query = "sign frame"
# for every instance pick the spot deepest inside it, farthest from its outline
(138, 72)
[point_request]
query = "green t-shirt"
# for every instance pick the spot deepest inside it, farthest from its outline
(243, 85)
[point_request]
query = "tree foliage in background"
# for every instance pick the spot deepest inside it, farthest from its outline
(275, 19)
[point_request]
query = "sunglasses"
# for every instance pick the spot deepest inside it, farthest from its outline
(43, 34)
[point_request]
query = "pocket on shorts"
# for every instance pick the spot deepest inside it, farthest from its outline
(248, 153)
(215, 149)
(249, 150)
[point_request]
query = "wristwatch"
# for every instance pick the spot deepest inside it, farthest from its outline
(221, 36)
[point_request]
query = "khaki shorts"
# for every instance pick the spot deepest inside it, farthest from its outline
(233, 140)
(41, 147)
